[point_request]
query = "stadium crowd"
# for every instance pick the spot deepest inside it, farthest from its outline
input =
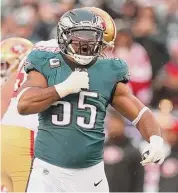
(147, 39)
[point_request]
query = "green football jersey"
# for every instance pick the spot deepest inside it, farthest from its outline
(71, 132)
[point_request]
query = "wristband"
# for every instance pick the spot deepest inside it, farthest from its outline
(137, 119)
(62, 89)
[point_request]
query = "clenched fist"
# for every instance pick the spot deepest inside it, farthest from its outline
(154, 153)
(73, 84)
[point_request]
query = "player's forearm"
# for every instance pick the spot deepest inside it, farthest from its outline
(36, 100)
(148, 125)
(7, 91)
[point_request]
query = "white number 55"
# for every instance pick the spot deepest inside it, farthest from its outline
(67, 111)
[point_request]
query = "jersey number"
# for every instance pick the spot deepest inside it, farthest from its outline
(67, 111)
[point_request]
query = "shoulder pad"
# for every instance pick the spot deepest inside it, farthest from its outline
(48, 46)
(37, 59)
(37, 55)
(121, 68)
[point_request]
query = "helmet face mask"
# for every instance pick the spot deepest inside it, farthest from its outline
(83, 41)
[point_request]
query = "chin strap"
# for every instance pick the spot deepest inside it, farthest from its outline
(83, 60)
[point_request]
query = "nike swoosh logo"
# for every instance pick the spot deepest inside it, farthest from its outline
(96, 184)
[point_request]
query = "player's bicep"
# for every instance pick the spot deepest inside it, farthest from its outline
(33, 66)
(125, 102)
(34, 79)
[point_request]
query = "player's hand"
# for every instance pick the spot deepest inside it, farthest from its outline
(154, 153)
(73, 84)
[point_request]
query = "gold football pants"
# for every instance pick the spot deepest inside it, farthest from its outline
(17, 145)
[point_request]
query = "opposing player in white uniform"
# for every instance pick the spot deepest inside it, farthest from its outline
(17, 132)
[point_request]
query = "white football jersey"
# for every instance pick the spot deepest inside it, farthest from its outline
(12, 117)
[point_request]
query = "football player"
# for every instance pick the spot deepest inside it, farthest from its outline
(13, 51)
(16, 77)
(110, 31)
(70, 86)
(16, 139)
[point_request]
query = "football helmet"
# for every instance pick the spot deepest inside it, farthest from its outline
(13, 50)
(110, 31)
(80, 35)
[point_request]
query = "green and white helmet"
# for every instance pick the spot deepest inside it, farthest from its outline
(80, 35)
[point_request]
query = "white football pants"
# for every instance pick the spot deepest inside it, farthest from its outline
(45, 177)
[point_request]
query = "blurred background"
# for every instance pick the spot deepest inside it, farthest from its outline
(147, 39)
